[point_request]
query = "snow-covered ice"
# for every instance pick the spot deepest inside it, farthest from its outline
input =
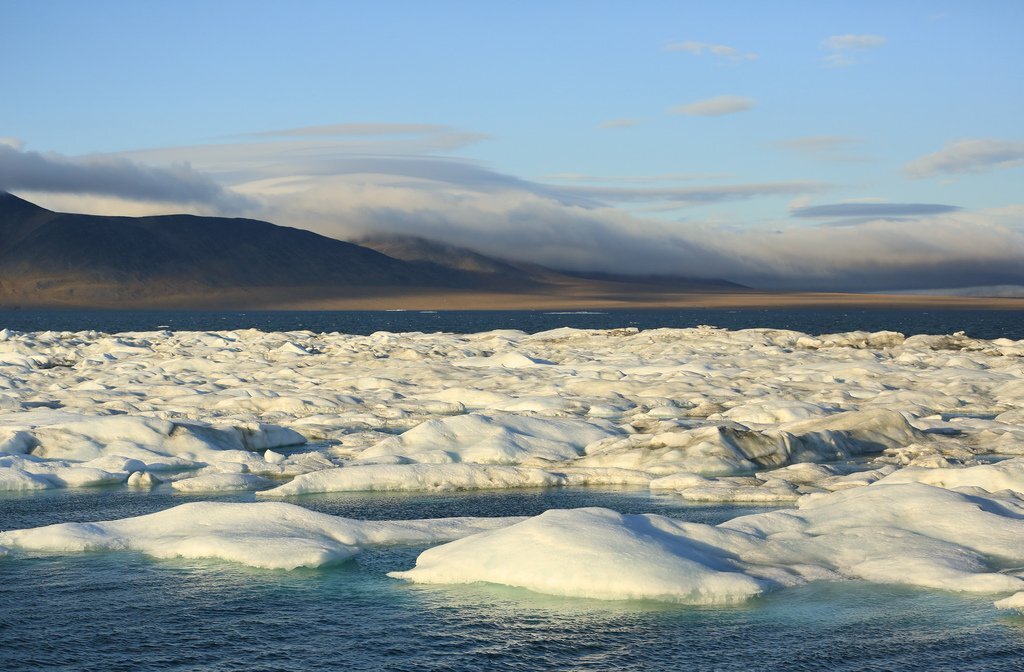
(904, 457)
(585, 406)
(898, 534)
(270, 535)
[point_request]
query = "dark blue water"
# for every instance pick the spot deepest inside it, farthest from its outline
(976, 323)
(123, 611)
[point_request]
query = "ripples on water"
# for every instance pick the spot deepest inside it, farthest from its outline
(115, 611)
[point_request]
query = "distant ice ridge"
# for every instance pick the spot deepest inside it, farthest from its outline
(713, 415)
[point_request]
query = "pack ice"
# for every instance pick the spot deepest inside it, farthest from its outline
(712, 414)
(867, 424)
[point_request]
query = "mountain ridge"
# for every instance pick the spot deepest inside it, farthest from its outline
(60, 259)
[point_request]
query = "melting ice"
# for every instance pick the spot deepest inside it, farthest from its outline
(899, 454)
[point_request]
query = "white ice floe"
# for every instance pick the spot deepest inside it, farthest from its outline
(270, 535)
(902, 534)
(593, 553)
(1015, 601)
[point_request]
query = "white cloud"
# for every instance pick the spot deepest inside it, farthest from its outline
(720, 50)
(853, 42)
(638, 179)
(693, 195)
(717, 106)
(843, 47)
(968, 156)
(112, 176)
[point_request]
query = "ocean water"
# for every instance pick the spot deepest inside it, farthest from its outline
(124, 611)
(976, 323)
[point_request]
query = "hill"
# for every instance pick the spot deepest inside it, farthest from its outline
(54, 259)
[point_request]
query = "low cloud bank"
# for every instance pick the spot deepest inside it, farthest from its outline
(337, 191)
(112, 176)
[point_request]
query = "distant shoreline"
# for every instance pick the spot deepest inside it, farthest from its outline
(369, 298)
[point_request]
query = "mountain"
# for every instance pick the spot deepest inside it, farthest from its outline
(53, 259)
(59, 258)
(414, 248)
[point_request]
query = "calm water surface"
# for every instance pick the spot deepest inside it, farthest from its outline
(977, 323)
(124, 611)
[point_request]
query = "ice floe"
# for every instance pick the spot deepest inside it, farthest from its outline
(270, 535)
(909, 534)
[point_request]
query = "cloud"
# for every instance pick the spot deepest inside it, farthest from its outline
(713, 107)
(853, 42)
(968, 156)
(842, 48)
(112, 176)
(946, 250)
(333, 187)
(638, 179)
(694, 195)
(917, 252)
(873, 210)
(619, 123)
(720, 50)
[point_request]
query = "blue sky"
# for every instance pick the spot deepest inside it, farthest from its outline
(670, 137)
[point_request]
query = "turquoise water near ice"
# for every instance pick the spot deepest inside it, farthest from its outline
(121, 611)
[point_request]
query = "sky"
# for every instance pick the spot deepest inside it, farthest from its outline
(793, 145)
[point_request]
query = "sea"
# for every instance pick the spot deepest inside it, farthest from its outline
(975, 323)
(126, 611)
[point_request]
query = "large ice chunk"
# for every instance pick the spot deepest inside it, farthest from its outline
(271, 535)
(593, 553)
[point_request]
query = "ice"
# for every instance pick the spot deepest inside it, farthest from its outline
(909, 534)
(220, 482)
(585, 407)
(593, 553)
(269, 535)
(1015, 601)
(414, 477)
(1005, 475)
(494, 439)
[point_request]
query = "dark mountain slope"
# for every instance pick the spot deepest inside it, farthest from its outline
(183, 261)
